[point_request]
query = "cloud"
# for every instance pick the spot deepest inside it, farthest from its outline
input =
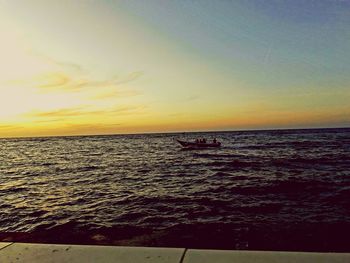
(125, 110)
(62, 65)
(94, 126)
(71, 66)
(48, 82)
(66, 113)
(55, 93)
(89, 128)
(116, 94)
(114, 81)
(53, 80)
(66, 76)
(128, 78)
(9, 127)
(191, 98)
(176, 115)
(62, 81)
(50, 120)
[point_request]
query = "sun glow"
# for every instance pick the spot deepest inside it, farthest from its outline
(120, 67)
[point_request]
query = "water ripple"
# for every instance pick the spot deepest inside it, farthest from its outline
(136, 184)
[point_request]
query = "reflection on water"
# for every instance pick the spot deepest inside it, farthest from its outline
(258, 188)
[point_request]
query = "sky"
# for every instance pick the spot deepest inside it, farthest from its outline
(109, 67)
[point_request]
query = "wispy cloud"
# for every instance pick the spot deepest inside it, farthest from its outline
(176, 115)
(191, 98)
(120, 93)
(92, 127)
(60, 81)
(53, 80)
(128, 78)
(64, 76)
(8, 127)
(126, 110)
(63, 98)
(63, 65)
(116, 80)
(66, 113)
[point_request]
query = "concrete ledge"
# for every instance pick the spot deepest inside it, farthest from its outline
(4, 244)
(22, 252)
(237, 256)
(41, 253)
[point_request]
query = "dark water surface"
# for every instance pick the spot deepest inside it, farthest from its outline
(275, 190)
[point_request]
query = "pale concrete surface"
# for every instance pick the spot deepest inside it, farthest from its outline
(46, 253)
(217, 256)
(4, 244)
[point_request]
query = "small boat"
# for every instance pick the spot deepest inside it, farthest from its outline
(199, 144)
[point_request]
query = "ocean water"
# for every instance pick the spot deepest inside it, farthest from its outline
(274, 190)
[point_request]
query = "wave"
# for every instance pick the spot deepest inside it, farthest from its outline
(143, 189)
(289, 162)
(212, 155)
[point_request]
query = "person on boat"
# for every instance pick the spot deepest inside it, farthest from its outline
(214, 141)
(197, 140)
(204, 140)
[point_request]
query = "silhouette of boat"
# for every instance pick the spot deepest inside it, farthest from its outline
(187, 144)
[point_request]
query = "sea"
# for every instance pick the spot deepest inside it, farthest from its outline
(262, 190)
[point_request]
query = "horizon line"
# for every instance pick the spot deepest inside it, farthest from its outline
(176, 132)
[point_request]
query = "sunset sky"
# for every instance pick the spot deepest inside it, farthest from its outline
(105, 67)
